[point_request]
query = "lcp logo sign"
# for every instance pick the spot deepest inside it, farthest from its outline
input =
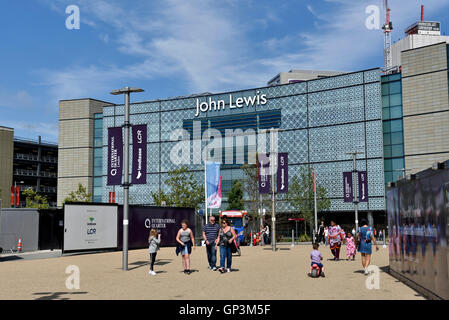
(147, 223)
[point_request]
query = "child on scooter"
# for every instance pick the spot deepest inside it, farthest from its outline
(316, 258)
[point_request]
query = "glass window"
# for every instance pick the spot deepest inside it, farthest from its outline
(385, 89)
(98, 124)
(397, 150)
(98, 133)
(395, 77)
(98, 162)
(397, 138)
(396, 125)
(387, 138)
(97, 182)
(385, 101)
(97, 199)
(388, 176)
(395, 87)
(98, 142)
(387, 151)
(397, 163)
(396, 112)
(98, 153)
(395, 99)
(385, 113)
(98, 115)
(386, 126)
(97, 191)
(388, 165)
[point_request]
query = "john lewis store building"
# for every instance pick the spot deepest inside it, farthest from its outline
(319, 120)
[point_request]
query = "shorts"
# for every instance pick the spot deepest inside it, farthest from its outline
(184, 250)
(320, 265)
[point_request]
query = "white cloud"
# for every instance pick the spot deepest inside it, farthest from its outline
(18, 100)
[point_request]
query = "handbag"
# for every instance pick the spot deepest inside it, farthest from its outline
(233, 247)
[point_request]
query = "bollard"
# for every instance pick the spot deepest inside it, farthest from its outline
(383, 236)
(293, 238)
(251, 244)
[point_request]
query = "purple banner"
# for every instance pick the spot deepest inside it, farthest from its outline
(115, 156)
(264, 173)
(347, 187)
(363, 186)
(282, 178)
(139, 167)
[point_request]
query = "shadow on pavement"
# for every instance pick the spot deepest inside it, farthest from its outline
(56, 295)
(139, 264)
(10, 258)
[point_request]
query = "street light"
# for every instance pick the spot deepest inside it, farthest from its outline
(126, 91)
(355, 191)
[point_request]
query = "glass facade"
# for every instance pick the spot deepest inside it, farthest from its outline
(98, 158)
(320, 120)
(393, 133)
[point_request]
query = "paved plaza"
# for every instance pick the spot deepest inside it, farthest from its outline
(259, 273)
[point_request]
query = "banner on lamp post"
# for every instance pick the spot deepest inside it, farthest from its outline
(363, 186)
(139, 167)
(282, 176)
(115, 156)
(213, 180)
(348, 187)
(263, 166)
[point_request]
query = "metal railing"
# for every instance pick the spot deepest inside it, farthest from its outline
(34, 157)
(33, 173)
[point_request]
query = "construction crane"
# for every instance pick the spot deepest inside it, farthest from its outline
(387, 27)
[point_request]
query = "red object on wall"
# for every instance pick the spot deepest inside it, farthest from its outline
(113, 197)
(110, 196)
(17, 196)
(12, 196)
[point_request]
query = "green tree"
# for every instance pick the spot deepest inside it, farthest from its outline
(35, 200)
(300, 196)
(235, 196)
(185, 191)
(79, 195)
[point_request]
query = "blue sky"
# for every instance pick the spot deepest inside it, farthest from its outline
(177, 47)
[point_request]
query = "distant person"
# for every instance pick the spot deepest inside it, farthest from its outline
(210, 235)
(225, 239)
(262, 235)
(185, 244)
(353, 231)
(350, 247)
(316, 258)
(326, 233)
(366, 237)
(320, 232)
(154, 241)
(266, 238)
(335, 236)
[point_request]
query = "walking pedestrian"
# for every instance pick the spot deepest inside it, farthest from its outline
(185, 244)
(366, 237)
(320, 232)
(262, 235)
(350, 247)
(267, 234)
(326, 233)
(210, 235)
(336, 236)
(225, 239)
(154, 241)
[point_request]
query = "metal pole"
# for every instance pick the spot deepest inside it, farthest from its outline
(273, 214)
(205, 186)
(126, 184)
(316, 217)
(15, 194)
(356, 203)
(293, 238)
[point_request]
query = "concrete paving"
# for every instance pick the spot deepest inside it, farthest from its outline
(259, 273)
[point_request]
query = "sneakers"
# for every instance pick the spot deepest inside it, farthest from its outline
(221, 270)
(228, 270)
(322, 274)
(214, 269)
(152, 273)
(366, 272)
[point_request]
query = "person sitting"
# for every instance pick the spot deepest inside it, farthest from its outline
(316, 257)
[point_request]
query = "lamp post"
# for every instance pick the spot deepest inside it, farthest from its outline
(355, 191)
(126, 91)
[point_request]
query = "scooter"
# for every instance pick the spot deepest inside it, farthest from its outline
(316, 271)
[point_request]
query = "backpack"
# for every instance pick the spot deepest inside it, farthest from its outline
(369, 235)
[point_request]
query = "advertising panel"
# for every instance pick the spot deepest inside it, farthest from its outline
(165, 220)
(88, 227)
(264, 173)
(347, 187)
(417, 220)
(115, 156)
(213, 184)
(363, 186)
(139, 166)
(282, 176)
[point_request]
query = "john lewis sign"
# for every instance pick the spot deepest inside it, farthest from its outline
(257, 99)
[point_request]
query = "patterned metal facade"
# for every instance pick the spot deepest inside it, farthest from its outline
(321, 120)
